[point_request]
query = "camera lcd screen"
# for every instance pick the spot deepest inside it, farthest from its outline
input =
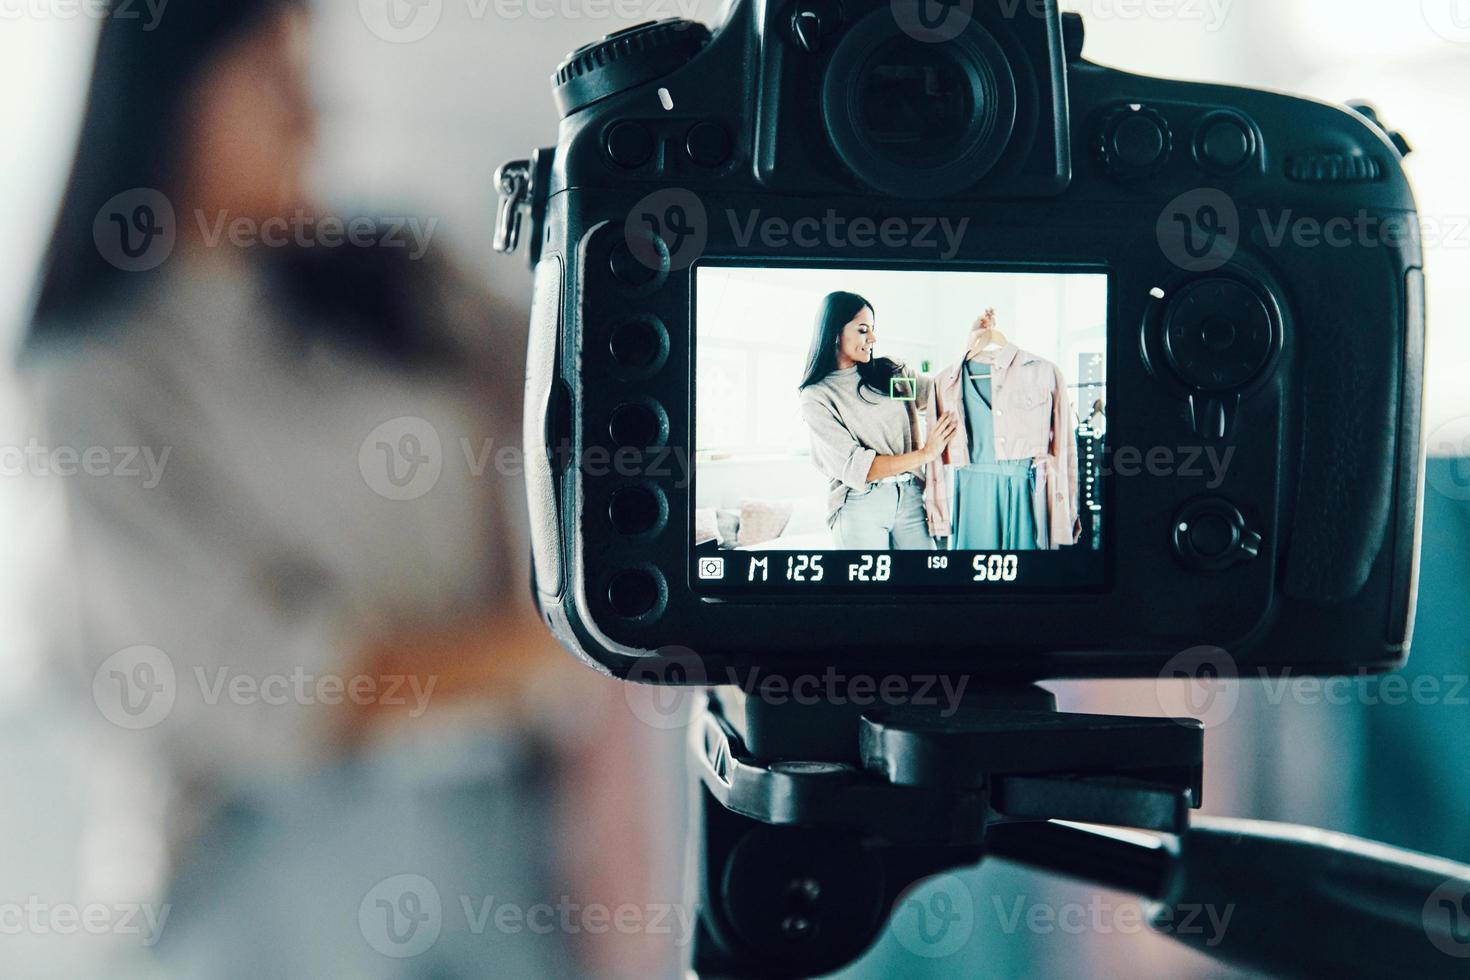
(898, 430)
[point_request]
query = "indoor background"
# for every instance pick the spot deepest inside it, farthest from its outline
(418, 126)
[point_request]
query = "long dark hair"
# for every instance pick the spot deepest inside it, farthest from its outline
(837, 311)
(130, 138)
(362, 295)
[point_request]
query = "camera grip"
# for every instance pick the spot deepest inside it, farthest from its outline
(536, 436)
(1351, 381)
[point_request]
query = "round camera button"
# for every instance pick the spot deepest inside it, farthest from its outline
(708, 144)
(634, 594)
(630, 144)
(1224, 143)
(628, 269)
(1138, 141)
(636, 510)
(1211, 534)
(637, 426)
(639, 345)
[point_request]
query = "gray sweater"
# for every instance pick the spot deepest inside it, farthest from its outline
(850, 428)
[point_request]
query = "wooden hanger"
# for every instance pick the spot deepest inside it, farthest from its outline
(985, 337)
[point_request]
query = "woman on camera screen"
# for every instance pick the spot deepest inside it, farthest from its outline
(861, 411)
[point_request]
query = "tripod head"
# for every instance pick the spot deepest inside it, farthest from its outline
(813, 820)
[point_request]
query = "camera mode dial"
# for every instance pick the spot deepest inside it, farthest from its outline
(626, 59)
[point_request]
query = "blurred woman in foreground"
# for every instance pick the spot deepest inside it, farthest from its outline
(320, 563)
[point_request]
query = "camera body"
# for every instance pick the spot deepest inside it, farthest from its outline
(1259, 489)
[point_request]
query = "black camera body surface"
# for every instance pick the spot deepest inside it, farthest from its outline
(1236, 273)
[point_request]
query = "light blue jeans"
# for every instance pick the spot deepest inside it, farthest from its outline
(884, 517)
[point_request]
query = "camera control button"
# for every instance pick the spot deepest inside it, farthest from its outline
(634, 594)
(629, 269)
(708, 144)
(640, 345)
(1212, 535)
(636, 510)
(1224, 143)
(637, 426)
(629, 144)
(1135, 142)
(1218, 335)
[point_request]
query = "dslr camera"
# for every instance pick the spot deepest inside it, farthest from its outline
(900, 336)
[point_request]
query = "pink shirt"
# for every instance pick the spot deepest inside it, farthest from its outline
(1033, 420)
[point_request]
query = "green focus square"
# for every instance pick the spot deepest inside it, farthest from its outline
(903, 389)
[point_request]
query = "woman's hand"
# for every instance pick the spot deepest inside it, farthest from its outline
(940, 436)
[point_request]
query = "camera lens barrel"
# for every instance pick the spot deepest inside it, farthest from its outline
(916, 119)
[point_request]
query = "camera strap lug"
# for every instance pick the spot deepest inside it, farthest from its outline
(516, 184)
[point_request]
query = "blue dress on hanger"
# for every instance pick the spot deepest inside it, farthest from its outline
(993, 504)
